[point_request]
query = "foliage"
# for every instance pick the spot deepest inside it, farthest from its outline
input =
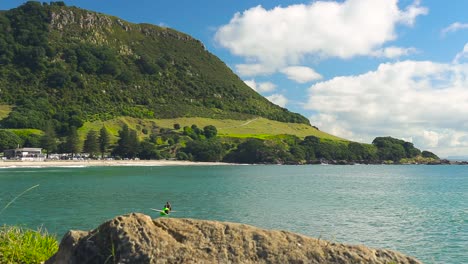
(148, 151)
(428, 154)
(128, 144)
(91, 143)
(9, 140)
(210, 131)
(49, 140)
(21, 245)
(72, 143)
(389, 148)
(206, 150)
(252, 151)
(104, 140)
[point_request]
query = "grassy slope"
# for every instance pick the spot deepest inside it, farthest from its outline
(256, 128)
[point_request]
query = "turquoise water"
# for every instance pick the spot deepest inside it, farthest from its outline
(421, 210)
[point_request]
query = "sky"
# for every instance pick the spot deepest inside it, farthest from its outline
(357, 69)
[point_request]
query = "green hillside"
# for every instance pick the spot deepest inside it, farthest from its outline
(67, 66)
(255, 128)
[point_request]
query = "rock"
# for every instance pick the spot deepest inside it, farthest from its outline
(136, 238)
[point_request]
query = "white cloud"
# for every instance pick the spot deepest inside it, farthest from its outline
(462, 54)
(266, 87)
(333, 126)
(454, 28)
(262, 87)
(252, 84)
(253, 69)
(301, 74)
(278, 99)
(422, 100)
(408, 17)
(431, 138)
(283, 36)
(393, 52)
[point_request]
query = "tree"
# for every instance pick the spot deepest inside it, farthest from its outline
(209, 150)
(91, 144)
(57, 79)
(8, 140)
(428, 154)
(128, 144)
(103, 141)
(210, 131)
(72, 143)
(148, 151)
(49, 140)
(394, 149)
(176, 126)
(252, 151)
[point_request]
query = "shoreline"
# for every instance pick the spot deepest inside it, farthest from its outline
(103, 163)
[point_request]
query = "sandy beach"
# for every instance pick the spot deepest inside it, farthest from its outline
(89, 163)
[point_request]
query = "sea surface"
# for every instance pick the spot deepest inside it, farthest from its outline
(421, 211)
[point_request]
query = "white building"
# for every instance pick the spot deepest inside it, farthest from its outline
(27, 154)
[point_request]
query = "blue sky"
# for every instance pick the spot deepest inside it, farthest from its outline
(356, 68)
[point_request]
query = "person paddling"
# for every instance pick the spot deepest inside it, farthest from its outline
(167, 209)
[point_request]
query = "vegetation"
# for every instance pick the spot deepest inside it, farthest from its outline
(22, 245)
(55, 71)
(254, 128)
(149, 141)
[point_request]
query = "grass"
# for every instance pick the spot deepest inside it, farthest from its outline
(261, 128)
(21, 245)
(4, 111)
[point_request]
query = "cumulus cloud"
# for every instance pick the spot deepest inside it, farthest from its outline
(273, 39)
(301, 74)
(420, 99)
(278, 99)
(454, 28)
(262, 87)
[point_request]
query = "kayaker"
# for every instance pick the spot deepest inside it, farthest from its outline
(167, 208)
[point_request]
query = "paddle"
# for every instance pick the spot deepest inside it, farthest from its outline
(161, 211)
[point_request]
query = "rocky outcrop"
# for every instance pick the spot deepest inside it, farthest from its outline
(136, 238)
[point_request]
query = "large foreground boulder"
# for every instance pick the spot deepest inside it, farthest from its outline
(136, 238)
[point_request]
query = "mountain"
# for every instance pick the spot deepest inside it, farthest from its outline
(70, 66)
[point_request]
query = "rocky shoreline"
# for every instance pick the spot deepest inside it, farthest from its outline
(136, 238)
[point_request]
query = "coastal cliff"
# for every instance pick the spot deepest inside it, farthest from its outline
(136, 238)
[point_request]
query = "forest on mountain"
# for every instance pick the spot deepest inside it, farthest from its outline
(66, 66)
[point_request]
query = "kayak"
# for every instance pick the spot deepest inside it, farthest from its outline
(161, 212)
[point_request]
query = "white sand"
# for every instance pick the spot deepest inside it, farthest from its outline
(88, 163)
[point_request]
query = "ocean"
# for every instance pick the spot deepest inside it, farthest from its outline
(419, 210)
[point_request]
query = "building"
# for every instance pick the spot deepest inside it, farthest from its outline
(27, 154)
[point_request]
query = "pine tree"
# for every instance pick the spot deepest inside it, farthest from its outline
(72, 142)
(91, 144)
(103, 141)
(49, 140)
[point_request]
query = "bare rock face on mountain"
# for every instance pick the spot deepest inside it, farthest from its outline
(136, 238)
